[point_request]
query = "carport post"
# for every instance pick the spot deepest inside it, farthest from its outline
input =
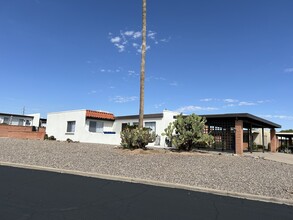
(273, 140)
(263, 139)
(239, 137)
(250, 139)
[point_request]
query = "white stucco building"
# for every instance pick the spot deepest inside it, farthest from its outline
(20, 120)
(257, 137)
(102, 127)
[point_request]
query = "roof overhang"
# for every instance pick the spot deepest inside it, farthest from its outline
(249, 120)
(146, 116)
(16, 115)
(99, 115)
(284, 134)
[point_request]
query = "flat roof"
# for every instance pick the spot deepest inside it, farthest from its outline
(247, 118)
(146, 116)
(16, 115)
(284, 134)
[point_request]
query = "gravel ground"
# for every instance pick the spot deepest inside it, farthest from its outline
(223, 172)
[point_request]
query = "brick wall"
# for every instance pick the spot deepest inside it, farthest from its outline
(23, 132)
(239, 137)
(273, 140)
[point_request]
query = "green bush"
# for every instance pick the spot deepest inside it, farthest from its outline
(169, 134)
(133, 137)
(187, 132)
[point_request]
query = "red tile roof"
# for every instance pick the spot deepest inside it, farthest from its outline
(99, 115)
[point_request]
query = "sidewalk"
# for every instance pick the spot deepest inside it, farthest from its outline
(278, 157)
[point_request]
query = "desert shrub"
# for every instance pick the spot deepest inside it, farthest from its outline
(52, 138)
(133, 137)
(69, 140)
(169, 134)
(285, 149)
(187, 132)
(260, 146)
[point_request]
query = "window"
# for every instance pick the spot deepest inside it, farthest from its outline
(27, 123)
(151, 125)
(21, 122)
(96, 126)
(124, 125)
(71, 126)
(6, 120)
(135, 124)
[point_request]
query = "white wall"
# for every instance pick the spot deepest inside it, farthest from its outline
(167, 119)
(57, 126)
(258, 137)
(14, 120)
(96, 137)
(36, 120)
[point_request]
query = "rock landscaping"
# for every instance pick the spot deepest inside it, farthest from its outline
(223, 172)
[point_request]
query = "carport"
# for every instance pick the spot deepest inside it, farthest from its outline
(230, 130)
(285, 139)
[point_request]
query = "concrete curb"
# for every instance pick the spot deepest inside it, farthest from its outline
(154, 183)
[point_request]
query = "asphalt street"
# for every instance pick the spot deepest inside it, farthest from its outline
(37, 195)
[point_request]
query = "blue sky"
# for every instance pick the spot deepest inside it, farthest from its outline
(204, 56)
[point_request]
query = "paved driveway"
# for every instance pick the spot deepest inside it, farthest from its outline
(278, 157)
(37, 195)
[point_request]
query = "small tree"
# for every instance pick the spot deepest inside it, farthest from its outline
(133, 137)
(188, 131)
(287, 131)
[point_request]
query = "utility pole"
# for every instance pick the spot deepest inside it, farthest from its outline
(142, 66)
